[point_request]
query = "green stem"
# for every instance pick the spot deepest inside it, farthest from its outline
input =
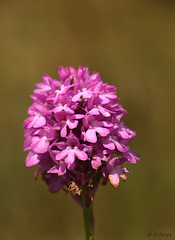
(87, 205)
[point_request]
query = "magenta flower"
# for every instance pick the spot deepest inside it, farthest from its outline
(75, 134)
(70, 150)
(114, 170)
(66, 121)
(94, 126)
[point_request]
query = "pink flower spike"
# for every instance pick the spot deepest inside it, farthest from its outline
(75, 132)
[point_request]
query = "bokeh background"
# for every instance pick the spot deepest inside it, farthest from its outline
(132, 45)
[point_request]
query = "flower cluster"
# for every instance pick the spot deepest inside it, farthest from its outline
(75, 131)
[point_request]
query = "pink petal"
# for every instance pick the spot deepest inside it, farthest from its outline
(72, 123)
(109, 144)
(36, 173)
(39, 122)
(61, 154)
(91, 135)
(53, 170)
(105, 112)
(71, 166)
(50, 133)
(104, 99)
(123, 134)
(87, 94)
(94, 111)
(78, 116)
(32, 159)
(28, 123)
(105, 124)
(70, 157)
(102, 131)
(131, 156)
(120, 147)
(111, 96)
(68, 110)
(76, 97)
(114, 179)
(41, 145)
(64, 130)
(56, 126)
(27, 143)
(62, 169)
(61, 145)
(81, 155)
(96, 163)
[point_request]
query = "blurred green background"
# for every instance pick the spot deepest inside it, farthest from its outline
(132, 45)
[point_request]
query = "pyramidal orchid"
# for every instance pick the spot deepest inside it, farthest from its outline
(75, 134)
